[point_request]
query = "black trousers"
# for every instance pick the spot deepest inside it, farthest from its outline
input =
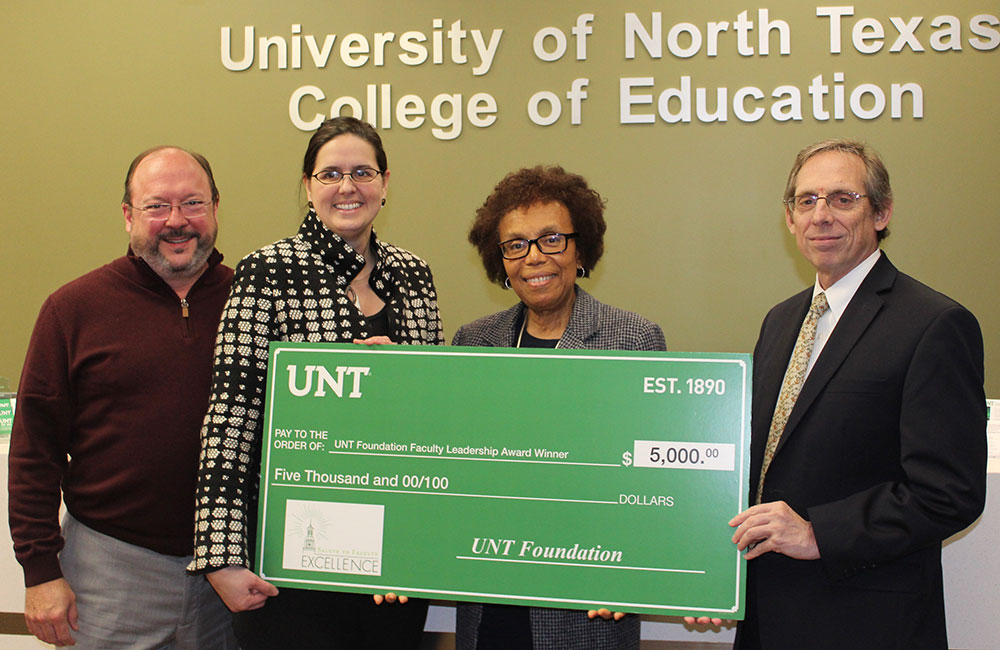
(299, 619)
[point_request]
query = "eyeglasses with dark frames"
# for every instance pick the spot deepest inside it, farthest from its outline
(551, 244)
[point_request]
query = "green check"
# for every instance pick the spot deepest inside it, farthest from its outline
(554, 478)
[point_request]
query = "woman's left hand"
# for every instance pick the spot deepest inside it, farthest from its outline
(606, 614)
(374, 340)
(389, 597)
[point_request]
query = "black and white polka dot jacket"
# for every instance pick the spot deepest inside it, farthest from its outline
(291, 290)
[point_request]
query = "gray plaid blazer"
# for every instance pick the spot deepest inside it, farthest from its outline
(592, 326)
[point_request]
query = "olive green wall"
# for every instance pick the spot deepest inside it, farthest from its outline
(696, 239)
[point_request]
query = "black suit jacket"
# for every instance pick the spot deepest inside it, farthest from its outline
(884, 452)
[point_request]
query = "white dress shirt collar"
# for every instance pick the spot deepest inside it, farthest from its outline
(838, 296)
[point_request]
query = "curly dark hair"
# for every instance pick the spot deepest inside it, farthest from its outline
(540, 184)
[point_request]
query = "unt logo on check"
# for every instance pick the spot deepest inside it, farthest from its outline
(325, 380)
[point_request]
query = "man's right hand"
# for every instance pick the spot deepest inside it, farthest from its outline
(240, 588)
(50, 612)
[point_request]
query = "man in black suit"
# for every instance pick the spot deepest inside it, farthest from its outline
(869, 430)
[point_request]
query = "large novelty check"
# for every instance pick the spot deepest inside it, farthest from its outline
(557, 478)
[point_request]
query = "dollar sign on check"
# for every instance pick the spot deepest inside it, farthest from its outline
(627, 459)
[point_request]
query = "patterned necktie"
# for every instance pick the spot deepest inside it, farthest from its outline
(794, 377)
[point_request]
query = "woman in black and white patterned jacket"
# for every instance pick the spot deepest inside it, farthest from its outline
(334, 281)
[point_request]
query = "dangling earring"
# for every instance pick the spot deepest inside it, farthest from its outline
(383, 201)
(311, 206)
(580, 273)
(506, 283)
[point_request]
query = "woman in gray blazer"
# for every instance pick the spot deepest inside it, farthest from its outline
(540, 230)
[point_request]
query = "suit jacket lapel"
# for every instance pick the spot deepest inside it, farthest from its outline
(501, 333)
(859, 314)
(783, 345)
(771, 357)
(582, 322)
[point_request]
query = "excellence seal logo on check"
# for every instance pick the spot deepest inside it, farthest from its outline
(555, 478)
(333, 537)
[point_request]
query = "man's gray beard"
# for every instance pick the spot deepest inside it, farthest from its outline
(162, 266)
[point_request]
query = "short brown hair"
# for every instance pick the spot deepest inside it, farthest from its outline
(877, 187)
(200, 159)
(336, 126)
(540, 184)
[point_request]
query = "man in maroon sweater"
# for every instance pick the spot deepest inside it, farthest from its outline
(110, 404)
